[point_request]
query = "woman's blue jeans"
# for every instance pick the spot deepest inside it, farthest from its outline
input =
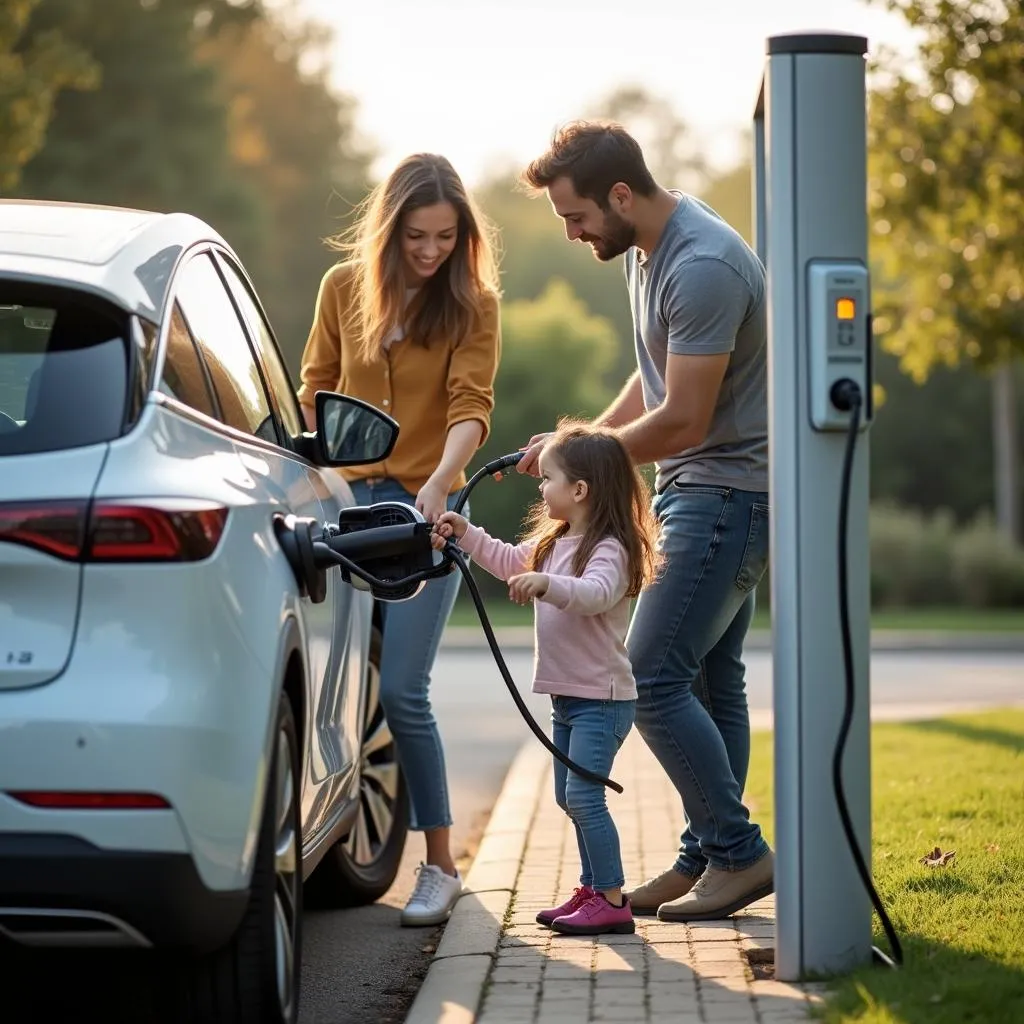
(591, 732)
(685, 643)
(412, 635)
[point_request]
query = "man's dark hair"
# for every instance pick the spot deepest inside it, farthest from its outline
(593, 155)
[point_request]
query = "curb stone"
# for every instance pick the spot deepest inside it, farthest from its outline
(458, 973)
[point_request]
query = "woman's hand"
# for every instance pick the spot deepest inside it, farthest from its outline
(449, 524)
(432, 501)
(524, 588)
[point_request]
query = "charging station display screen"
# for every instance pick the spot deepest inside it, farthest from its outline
(846, 309)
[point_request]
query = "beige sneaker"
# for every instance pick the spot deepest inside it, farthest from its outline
(669, 885)
(720, 893)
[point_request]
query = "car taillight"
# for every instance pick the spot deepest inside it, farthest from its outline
(56, 527)
(78, 801)
(182, 531)
(147, 530)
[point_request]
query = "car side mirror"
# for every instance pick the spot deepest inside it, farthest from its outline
(351, 432)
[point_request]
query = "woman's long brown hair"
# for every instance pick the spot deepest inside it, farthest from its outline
(451, 300)
(619, 502)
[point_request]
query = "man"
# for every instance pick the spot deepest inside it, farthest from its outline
(697, 407)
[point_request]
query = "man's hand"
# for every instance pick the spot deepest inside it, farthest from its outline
(449, 524)
(524, 588)
(528, 463)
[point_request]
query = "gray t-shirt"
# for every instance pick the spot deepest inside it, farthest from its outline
(702, 291)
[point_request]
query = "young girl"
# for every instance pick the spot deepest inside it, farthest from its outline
(410, 323)
(589, 550)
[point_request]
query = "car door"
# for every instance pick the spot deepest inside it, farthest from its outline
(282, 483)
(336, 711)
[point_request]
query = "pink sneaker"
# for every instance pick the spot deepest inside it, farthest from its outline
(595, 916)
(570, 906)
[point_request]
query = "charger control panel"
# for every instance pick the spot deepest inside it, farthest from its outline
(839, 338)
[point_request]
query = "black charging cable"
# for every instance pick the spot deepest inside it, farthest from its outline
(492, 467)
(846, 396)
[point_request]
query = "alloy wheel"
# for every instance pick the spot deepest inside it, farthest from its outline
(378, 781)
(286, 876)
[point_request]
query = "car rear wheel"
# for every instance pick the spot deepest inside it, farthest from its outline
(254, 979)
(360, 867)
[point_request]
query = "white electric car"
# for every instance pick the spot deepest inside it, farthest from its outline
(185, 736)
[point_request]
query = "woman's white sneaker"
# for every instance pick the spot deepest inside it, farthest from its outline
(432, 900)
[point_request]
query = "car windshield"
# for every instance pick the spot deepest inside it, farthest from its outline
(63, 370)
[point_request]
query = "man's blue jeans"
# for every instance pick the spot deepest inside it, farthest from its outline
(591, 732)
(412, 635)
(686, 646)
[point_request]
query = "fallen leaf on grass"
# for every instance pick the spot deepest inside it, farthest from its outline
(992, 848)
(937, 859)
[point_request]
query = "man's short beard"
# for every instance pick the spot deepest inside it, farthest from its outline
(617, 235)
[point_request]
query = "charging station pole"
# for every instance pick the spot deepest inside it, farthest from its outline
(811, 233)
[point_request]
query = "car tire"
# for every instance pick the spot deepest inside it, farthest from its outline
(361, 867)
(254, 979)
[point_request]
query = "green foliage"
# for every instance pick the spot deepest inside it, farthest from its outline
(308, 171)
(196, 111)
(920, 560)
(946, 188)
(154, 134)
(669, 149)
(33, 70)
(555, 359)
(535, 251)
(930, 444)
(730, 195)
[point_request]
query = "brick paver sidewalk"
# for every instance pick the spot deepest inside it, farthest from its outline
(666, 972)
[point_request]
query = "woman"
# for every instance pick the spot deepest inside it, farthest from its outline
(409, 322)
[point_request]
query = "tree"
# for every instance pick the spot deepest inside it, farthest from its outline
(555, 359)
(663, 135)
(153, 135)
(946, 188)
(730, 195)
(32, 72)
(535, 251)
(308, 170)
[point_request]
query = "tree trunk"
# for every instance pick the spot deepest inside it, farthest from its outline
(1006, 451)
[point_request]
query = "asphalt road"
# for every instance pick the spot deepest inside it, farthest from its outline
(359, 966)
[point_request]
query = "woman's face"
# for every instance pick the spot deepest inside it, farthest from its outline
(429, 235)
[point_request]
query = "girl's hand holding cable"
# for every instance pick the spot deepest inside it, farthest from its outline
(525, 587)
(449, 524)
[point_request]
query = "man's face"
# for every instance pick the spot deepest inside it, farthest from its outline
(608, 232)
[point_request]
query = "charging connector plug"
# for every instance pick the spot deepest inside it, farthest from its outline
(845, 395)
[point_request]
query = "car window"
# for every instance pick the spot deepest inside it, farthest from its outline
(183, 377)
(288, 406)
(225, 349)
(64, 370)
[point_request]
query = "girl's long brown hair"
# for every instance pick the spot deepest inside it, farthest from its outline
(619, 501)
(449, 302)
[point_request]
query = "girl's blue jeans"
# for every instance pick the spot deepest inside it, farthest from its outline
(591, 733)
(412, 635)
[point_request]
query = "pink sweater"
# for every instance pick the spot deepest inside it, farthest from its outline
(579, 624)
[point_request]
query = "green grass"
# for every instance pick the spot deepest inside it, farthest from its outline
(956, 783)
(503, 613)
